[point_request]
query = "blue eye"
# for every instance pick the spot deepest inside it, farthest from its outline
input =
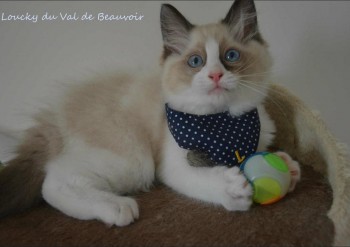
(232, 55)
(195, 61)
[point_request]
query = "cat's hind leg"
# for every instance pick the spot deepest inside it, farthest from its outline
(83, 197)
(89, 183)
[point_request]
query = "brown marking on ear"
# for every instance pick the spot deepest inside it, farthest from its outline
(175, 30)
(242, 21)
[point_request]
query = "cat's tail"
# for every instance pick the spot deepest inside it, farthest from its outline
(21, 178)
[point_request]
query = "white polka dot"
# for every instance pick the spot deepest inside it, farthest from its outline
(239, 134)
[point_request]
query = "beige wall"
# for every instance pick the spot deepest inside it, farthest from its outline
(308, 40)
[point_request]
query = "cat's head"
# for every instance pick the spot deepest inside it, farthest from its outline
(210, 68)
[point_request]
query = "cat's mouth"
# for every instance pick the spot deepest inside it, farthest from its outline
(217, 90)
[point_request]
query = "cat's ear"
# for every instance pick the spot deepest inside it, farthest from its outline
(175, 30)
(242, 21)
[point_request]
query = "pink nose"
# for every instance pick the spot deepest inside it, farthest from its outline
(215, 76)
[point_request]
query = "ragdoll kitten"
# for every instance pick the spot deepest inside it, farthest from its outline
(110, 137)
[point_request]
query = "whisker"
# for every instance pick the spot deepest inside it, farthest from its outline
(264, 94)
(264, 86)
(243, 66)
(248, 66)
(270, 71)
(240, 68)
(257, 74)
(252, 88)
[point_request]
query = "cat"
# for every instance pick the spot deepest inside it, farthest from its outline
(110, 137)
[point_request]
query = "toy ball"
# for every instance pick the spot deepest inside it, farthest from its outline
(269, 176)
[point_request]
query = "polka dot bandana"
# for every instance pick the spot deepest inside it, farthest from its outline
(227, 140)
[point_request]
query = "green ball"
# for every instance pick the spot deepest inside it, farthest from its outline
(269, 176)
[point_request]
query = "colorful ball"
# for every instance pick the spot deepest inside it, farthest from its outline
(269, 176)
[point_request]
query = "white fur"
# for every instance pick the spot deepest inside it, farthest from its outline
(197, 98)
(213, 53)
(86, 183)
(219, 185)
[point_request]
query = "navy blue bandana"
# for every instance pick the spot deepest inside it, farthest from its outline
(227, 140)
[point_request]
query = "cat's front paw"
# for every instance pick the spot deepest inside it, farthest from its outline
(238, 192)
(294, 169)
(120, 211)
